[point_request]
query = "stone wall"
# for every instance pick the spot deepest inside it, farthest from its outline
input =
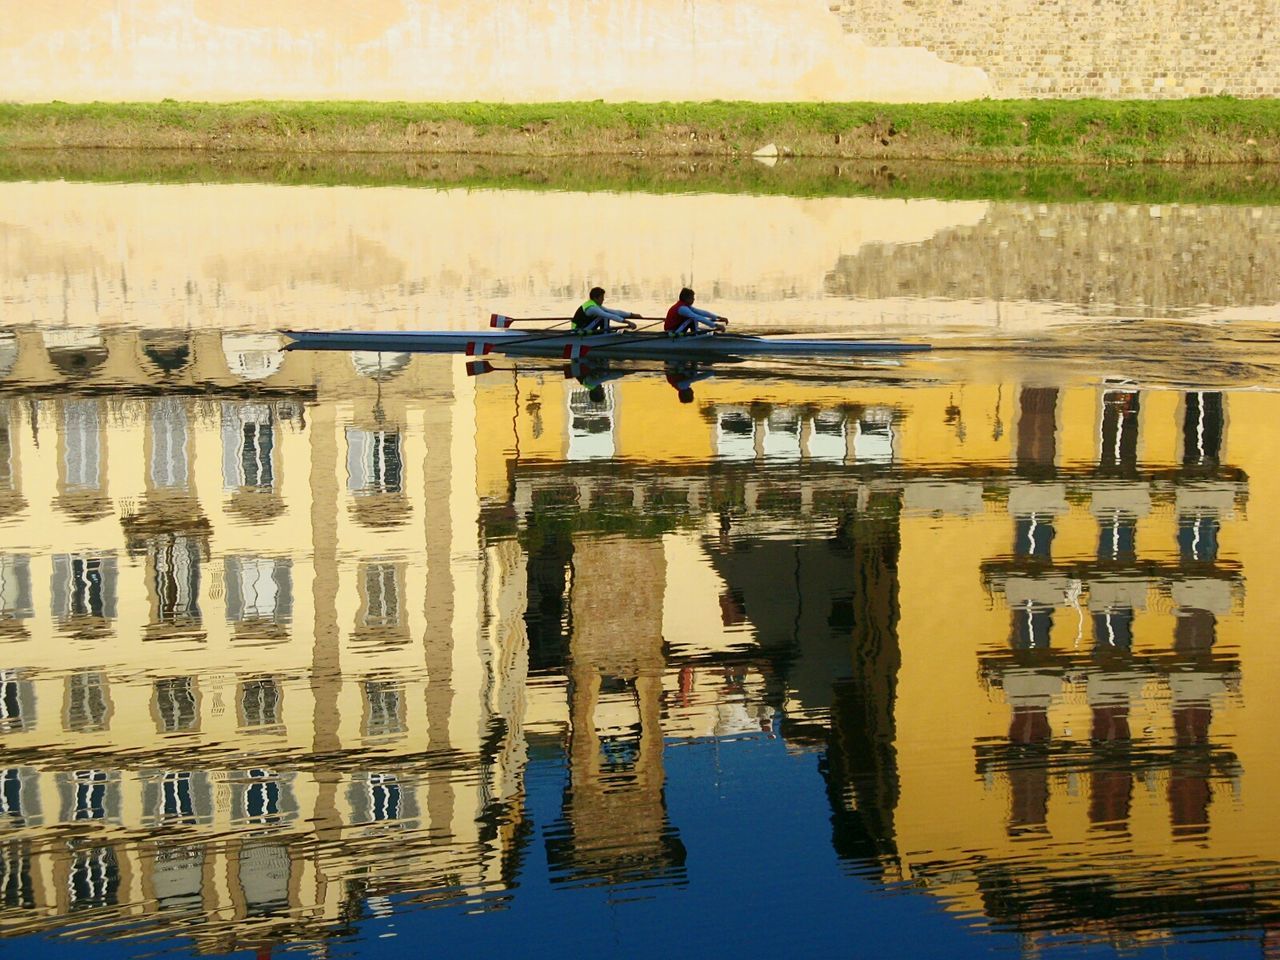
(1148, 49)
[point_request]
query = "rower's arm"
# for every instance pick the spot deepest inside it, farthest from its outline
(598, 315)
(697, 319)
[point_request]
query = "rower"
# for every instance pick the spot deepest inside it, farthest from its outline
(682, 375)
(592, 317)
(684, 318)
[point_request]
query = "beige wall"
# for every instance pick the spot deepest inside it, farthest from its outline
(456, 50)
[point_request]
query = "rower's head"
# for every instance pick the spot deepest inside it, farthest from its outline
(597, 294)
(685, 394)
(686, 295)
(596, 394)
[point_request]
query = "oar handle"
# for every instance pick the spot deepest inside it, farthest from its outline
(501, 322)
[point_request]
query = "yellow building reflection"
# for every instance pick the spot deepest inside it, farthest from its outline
(262, 613)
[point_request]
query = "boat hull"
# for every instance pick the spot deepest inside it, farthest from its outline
(618, 346)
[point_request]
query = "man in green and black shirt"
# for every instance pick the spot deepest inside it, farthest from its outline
(592, 317)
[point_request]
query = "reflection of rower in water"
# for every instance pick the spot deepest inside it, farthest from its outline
(593, 376)
(682, 375)
(592, 317)
(684, 318)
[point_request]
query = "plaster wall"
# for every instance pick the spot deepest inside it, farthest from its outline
(452, 50)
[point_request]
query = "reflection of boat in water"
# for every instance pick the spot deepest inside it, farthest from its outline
(541, 343)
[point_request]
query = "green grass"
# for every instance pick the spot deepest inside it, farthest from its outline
(1147, 183)
(1216, 129)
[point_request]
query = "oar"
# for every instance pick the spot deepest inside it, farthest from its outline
(574, 351)
(501, 322)
(483, 347)
(571, 350)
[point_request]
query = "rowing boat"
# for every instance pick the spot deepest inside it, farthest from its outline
(570, 346)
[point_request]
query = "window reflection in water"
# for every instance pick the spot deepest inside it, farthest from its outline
(263, 870)
(375, 476)
(259, 703)
(16, 888)
(82, 485)
(382, 799)
(259, 596)
(83, 447)
(20, 797)
(168, 467)
(176, 797)
(592, 423)
(1204, 421)
(174, 562)
(11, 500)
(176, 705)
(15, 594)
(384, 709)
(262, 798)
(381, 618)
(1119, 431)
(87, 795)
(94, 879)
(374, 462)
(83, 593)
(17, 702)
(248, 446)
(177, 877)
(250, 460)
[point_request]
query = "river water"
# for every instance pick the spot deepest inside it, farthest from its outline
(365, 655)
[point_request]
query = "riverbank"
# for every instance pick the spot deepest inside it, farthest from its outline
(1257, 184)
(1200, 131)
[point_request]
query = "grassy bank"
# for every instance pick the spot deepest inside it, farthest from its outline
(796, 177)
(1209, 130)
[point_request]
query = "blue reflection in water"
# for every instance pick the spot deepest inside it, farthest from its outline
(763, 881)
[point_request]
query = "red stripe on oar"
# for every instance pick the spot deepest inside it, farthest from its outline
(482, 349)
(572, 351)
(499, 321)
(477, 367)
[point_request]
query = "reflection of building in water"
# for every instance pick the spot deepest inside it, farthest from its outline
(1106, 709)
(804, 560)
(197, 778)
(615, 826)
(1154, 569)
